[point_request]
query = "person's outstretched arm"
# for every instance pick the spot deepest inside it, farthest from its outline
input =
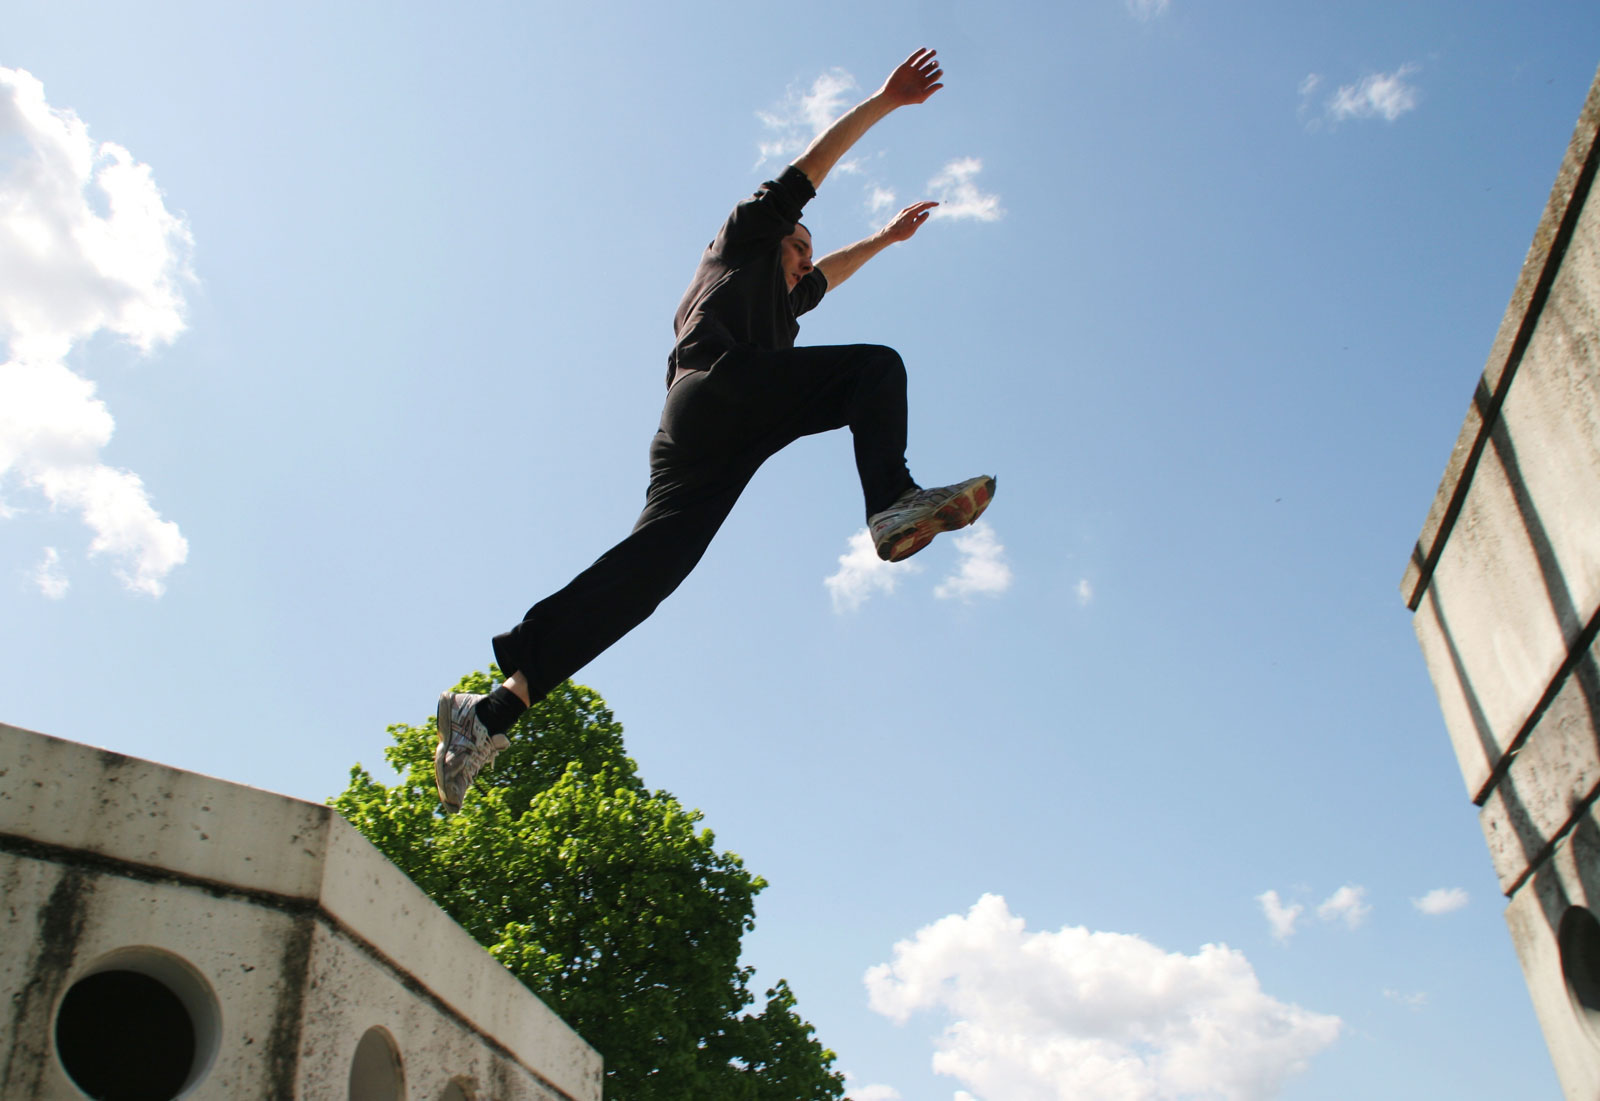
(841, 264)
(913, 81)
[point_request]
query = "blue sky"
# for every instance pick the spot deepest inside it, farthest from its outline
(350, 345)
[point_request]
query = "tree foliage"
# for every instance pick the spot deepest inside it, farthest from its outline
(608, 900)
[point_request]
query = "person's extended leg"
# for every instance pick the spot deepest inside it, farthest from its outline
(698, 470)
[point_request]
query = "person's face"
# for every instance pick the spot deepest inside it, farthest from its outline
(796, 254)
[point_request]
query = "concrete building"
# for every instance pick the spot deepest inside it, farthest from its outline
(1505, 584)
(171, 935)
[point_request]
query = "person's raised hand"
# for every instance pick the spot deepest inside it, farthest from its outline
(907, 222)
(913, 80)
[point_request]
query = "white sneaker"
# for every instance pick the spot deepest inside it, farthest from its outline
(465, 747)
(910, 524)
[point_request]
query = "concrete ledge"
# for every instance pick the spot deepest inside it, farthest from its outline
(305, 937)
(94, 801)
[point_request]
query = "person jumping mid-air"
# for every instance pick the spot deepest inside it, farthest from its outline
(738, 391)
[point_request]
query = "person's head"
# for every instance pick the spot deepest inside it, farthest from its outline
(795, 253)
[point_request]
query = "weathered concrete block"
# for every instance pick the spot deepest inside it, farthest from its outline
(1519, 578)
(1553, 925)
(1488, 675)
(297, 960)
(1505, 583)
(1551, 779)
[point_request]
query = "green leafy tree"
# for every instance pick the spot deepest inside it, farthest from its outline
(608, 900)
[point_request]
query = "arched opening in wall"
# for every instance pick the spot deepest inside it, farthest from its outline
(140, 1025)
(376, 1073)
(459, 1090)
(1578, 940)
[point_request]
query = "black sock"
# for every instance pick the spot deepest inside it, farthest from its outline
(499, 709)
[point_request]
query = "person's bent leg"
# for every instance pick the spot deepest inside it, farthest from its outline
(864, 386)
(857, 386)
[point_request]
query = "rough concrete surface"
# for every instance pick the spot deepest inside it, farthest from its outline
(1551, 780)
(1519, 578)
(286, 936)
(1570, 878)
(1505, 584)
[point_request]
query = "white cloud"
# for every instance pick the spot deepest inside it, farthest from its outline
(1279, 916)
(1376, 95)
(957, 192)
(854, 1092)
(982, 570)
(803, 115)
(861, 573)
(1147, 9)
(1093, 1016)
(48, 575)
(1309, 84)
(880, 199)
(72, 271)
(1085, 592)
(1348, 904)
(1441, 900)
(1410, 1001)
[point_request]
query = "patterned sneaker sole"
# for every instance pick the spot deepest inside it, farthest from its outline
(965, 507)
(956, 513)
(438, 754)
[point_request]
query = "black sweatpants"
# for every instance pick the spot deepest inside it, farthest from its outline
(717, 428)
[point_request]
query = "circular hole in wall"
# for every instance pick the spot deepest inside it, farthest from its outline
(139, 1025)
(376, 1073)
(1579, 942)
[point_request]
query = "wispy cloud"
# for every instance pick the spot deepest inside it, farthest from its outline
(805, 112)
(1348, 904)
(1147, 9)
(1035, 1016)
(1085, 592)
(862, 573)
(70, 272)
(1411, 1001)
(956, 189)
(1441, 900)
(1280, 917)
(1375, 95)
(982, 568)
(49, 577)
(802, 115)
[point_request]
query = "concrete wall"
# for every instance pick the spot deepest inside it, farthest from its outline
(1505, 584)
(309, 965)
